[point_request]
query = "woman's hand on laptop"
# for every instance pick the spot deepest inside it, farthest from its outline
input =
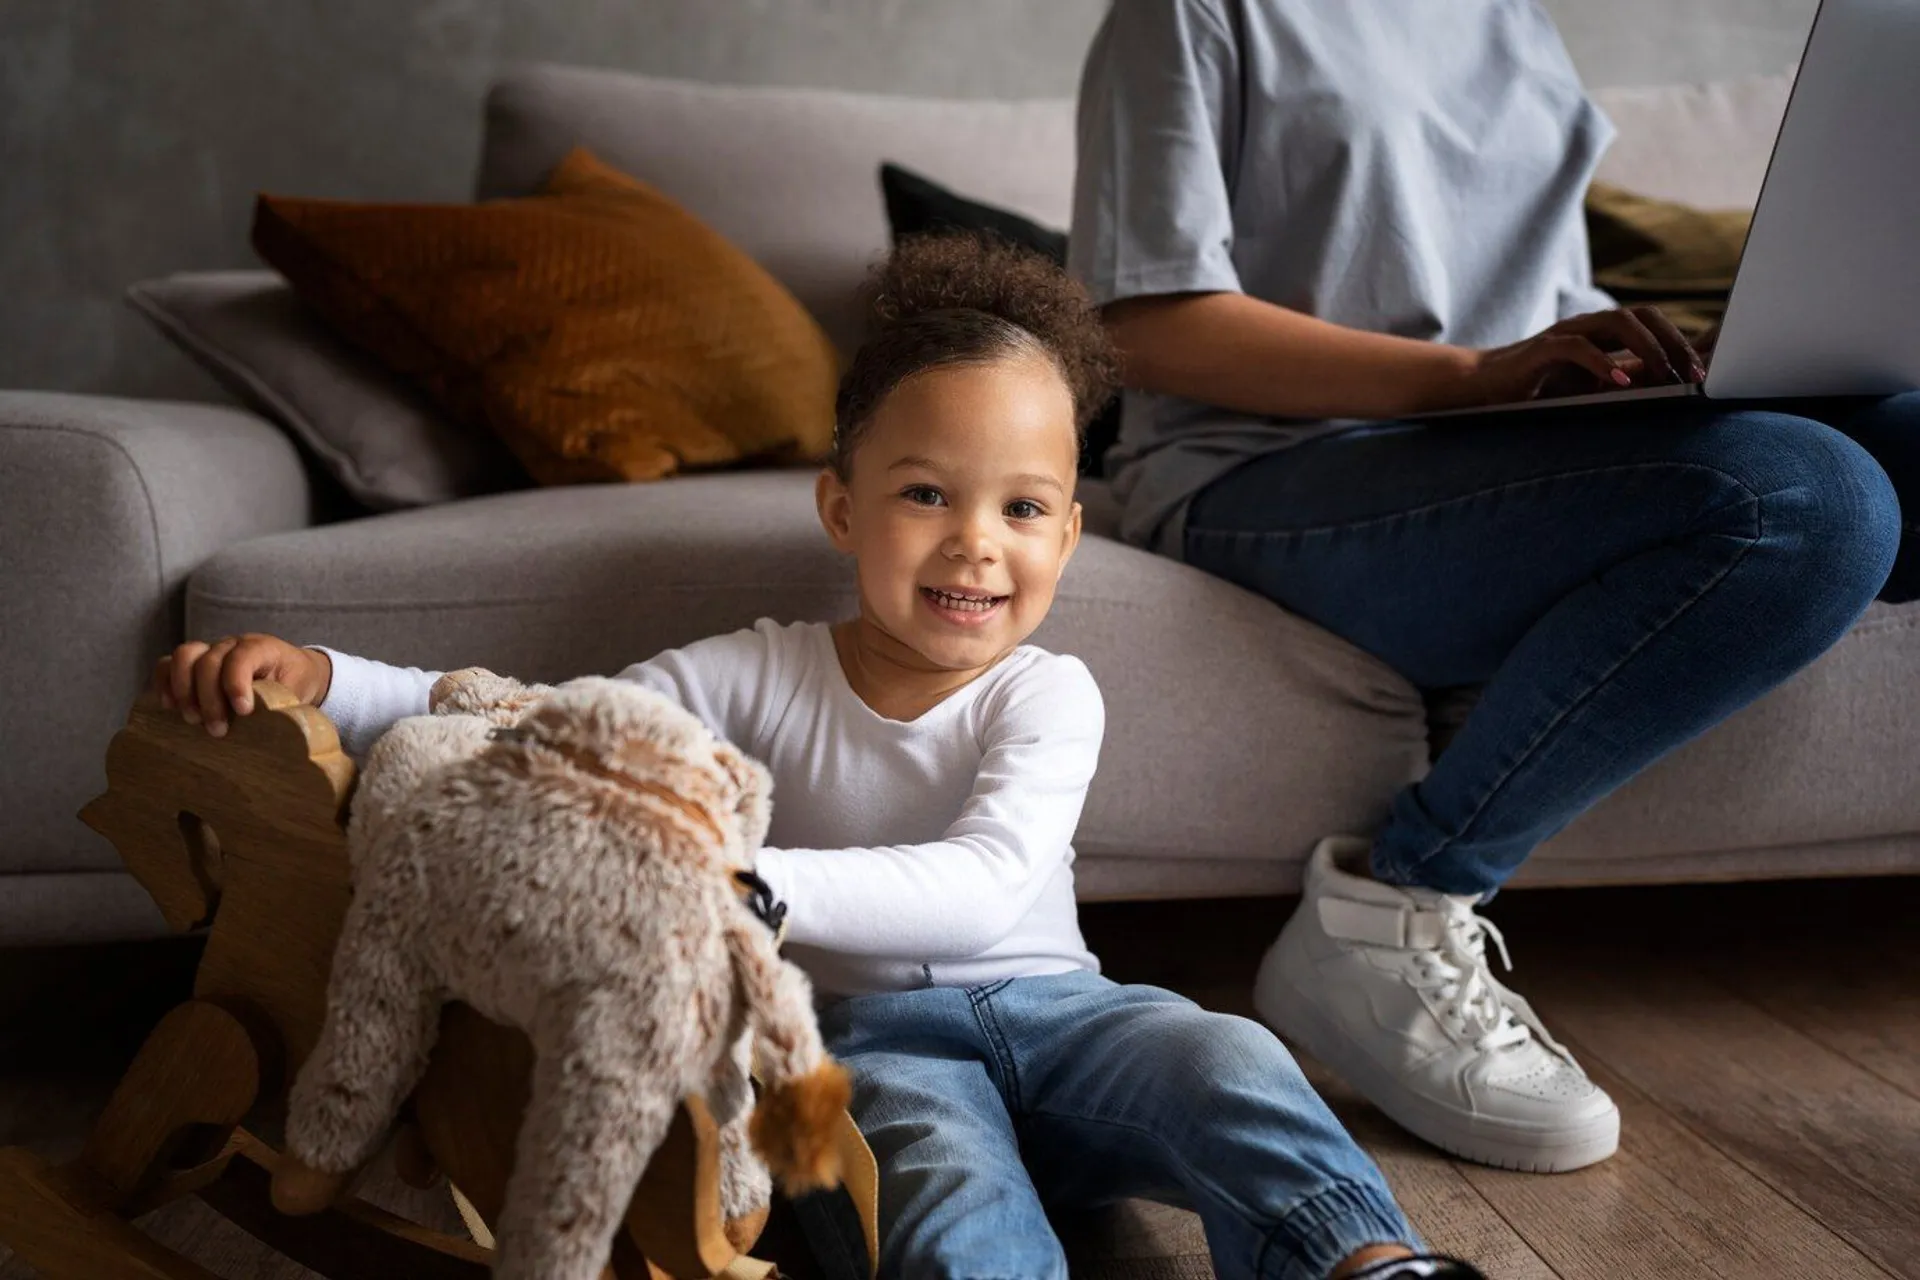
(1600, 351)
(210, 683)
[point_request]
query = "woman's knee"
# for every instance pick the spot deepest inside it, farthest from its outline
(1824, 510)
(1890, 430)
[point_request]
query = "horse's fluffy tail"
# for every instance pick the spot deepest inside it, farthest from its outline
(797, 1117)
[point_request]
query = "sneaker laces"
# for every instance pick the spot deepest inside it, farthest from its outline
(1455, 973)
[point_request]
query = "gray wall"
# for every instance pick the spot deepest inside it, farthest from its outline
(135, 132)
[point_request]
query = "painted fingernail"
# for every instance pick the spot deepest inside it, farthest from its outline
(1699, 372)
(190, 716)
(244, 706)
(1620, 376)
(218, 728)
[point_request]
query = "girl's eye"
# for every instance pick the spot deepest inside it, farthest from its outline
(1024, 509)
(923, 495)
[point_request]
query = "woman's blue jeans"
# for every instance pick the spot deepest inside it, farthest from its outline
(1619, 579)
(989, 1107)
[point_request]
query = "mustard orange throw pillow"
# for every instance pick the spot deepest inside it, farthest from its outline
(598, 329)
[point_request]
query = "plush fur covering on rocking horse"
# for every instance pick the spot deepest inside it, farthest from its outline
(568, 862)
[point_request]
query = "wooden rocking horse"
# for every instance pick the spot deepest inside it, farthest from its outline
(244, 836)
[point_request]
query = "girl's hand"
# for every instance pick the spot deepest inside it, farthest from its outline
(210, 683)
(1602, 351)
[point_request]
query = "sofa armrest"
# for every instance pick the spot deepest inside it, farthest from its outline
(106, 507)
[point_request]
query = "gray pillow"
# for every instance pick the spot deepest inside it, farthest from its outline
(386, 443)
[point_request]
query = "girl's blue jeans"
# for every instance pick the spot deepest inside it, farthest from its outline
(1617, 579)
(990, 1107)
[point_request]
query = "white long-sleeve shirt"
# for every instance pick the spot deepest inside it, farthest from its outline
(936, 851)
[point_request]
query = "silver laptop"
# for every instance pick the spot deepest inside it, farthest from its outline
(1826, 300)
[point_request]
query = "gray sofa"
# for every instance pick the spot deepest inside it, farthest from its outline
(1238, 734)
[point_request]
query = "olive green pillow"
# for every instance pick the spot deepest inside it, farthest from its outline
(1673, 256)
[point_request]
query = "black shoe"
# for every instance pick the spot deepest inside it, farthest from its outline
(1427, 1266)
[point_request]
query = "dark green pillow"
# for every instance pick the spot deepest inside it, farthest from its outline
(917, 206)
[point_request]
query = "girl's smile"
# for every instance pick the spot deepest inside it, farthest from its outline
(962, 608)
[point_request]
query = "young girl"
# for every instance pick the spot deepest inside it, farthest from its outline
(929, 770)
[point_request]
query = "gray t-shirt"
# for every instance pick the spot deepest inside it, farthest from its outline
(1413, 167)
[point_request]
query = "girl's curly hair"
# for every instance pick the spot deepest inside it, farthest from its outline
(955, 299)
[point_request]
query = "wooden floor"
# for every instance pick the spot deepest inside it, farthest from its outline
(1763, 1042)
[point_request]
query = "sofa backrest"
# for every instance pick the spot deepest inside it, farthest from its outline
(1706, 145)
(791, 175)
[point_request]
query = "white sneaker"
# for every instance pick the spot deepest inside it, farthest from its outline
(1390, 988)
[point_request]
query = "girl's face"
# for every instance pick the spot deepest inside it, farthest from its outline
(959, 511)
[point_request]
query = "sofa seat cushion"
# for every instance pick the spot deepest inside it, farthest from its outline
(1236, 733)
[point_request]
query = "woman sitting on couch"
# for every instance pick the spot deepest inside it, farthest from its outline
(1307, 220)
